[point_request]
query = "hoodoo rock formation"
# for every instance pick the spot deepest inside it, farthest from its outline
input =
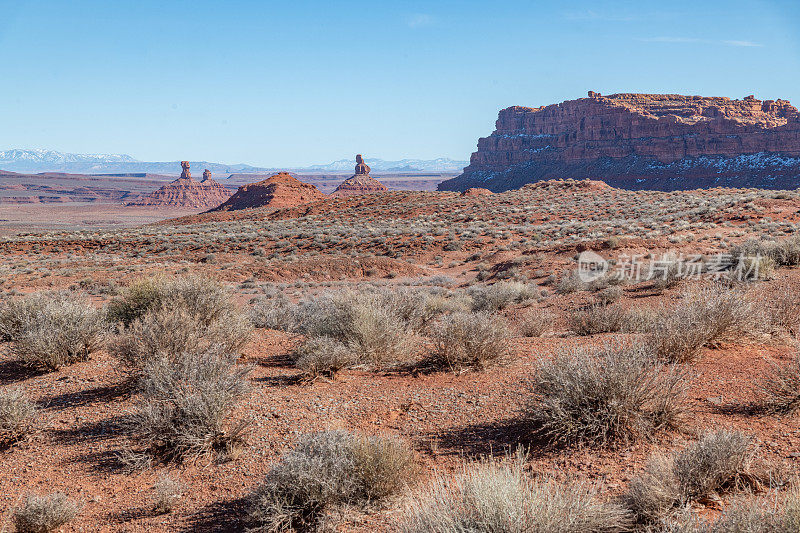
(360, 182)
(279, 190)
(186, 192)
(641, 141)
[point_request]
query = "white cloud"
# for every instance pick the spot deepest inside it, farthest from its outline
(418, 20)
(696, 40)
(742, 43)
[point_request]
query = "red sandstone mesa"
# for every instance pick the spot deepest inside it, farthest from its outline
(186, 192)
(360, 182)
(280, 190)
(641, 141)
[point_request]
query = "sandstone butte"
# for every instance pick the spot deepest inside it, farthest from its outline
(360, 182)
(641, 141)
(279, 190)
(186, 192)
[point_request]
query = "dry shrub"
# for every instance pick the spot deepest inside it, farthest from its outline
(323, 356)
(374, 331)
(166, 333)
(167, 491)
(782, 253)
(783, 310)
(186, 406)
(17, 416)
(327, 470)
(469, 340)
(598, 318)
(761, 516)
(609, 295)
(669, 275)
(571, 283)
(42, 514)
(599, 396)
(719, 461)
(534, 322)
(377, 337)
(497, 497)
(705, 316)
(501, 295)
(781, 387)
(52, 330)
(273, 313)
(201, 297)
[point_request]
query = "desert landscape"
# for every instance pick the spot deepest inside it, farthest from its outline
(451, 330)
(590, 325)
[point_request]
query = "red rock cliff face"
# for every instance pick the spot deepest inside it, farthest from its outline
(642, 141)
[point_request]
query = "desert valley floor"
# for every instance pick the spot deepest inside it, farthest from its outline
(509, 256)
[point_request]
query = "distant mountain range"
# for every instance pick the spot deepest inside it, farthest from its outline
(17, 160)
(441, 164)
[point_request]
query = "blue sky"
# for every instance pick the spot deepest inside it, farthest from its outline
(301, 82)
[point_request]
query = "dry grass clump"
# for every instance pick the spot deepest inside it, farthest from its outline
(704, 316)
(185, 407)
(497, 496)
(201, 297)
(170, 317)
(781, 387)
(52, 330)
(783, 253)
(783, 310)
(167, 491)
(273, 313)
(609, 295)
(571, 283)
(323, 356)
(324, 471)
(534, 322)
(719, 461)
(598, 318)
(469, 340)
(757, 516)
(43, 514)
(168, 333)
(600, 396)
(501, 295)
(17, 416)
(374, 331)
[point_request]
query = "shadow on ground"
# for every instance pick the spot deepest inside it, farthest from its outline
(102, 393)
(490, 439)
(12, 371)
(224, 515)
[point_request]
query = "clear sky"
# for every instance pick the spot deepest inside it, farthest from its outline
(290, 83)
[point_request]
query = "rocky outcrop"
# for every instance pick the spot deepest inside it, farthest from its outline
(279, 190)
(186, 192)
(360, 182)
(476, 191)
(641, 141)
(361, 166)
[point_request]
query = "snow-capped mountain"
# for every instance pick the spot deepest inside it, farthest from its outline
(34, 161)
(441, 164)
(51, 156)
